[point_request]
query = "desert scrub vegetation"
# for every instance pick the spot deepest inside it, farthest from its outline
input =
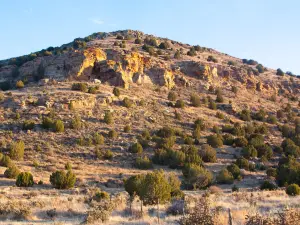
(83, 87)
(128, 103)
(196, 177)
(208, 154)
(172, 96)
(136, 148)
(12, 172)
(143, 163)
(24, 179)
(62, 180)
(179, 104)
(28, 125)
(215, 141)
(108, 117)
(195, 100)
(104, 154)
(293, 189)
(16, 150)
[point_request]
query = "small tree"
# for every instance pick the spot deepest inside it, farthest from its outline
(24, 179)
(155, 189)
(225, 177)
(234, 170)
(133, 186)
(279, 72)
(16, 151)
(98, 139)
(62, 180)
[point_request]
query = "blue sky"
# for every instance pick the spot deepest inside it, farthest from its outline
(265, 30)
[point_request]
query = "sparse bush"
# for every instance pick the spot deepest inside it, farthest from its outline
(80, 87)
(212, 105)
(127, 128)
(172, 96)
(225, 177)
(240, 142)
(215, 141)
(138, 41)
(136, 148)
(164, 45)
(245, 115)
(220, 115)
(100, 213)
(68, 166)
(272, 119)
(179, 104)
(28, 125)
(59, 126)
(127, 102)
(62, 180)
(98, 139)
(242, 163)
(249, 152)
(12, 172)
(234, 170)
(192, 52)
(16, 150)
(212, 59)
(279, 72)
(47, 123)
(196, 177)
(20, 84)
(100, 196)
(5, 160)
(219, 98)
(112, 134)
(267, 185)
(271, 172)
(195, 100)
(228, 139)
(143, 163)
(177, 55)
(108, 117)
(24, 179)
(208, 154)
(293, 190)
(76, 123)
(116, 92)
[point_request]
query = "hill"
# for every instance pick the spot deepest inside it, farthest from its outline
(113, 105)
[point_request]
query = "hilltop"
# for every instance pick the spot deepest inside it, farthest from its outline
(113, 105)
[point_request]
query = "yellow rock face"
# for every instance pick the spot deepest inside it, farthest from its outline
(91, 56)
(169, 79)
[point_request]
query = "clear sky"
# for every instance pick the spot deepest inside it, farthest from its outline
(265, 30)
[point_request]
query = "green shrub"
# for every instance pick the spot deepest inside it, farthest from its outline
(92, 90)
(235, 188)
(47, 123)
(267, 185)
(177, 55)
(212, 59)
(104, 154)
(138, 41)
(188, 141)
(265, 151)
(219, 98)
(76, 123)
(136, 148)
(11, 172)
(59, 126)
(260, 115)
(245, 115)
(80, 87)
(220, 115)
(127, 102)
(249, 152)
(215, 141)
(191, 155)
(200, 123)
(196, 177)
(293, 190)
(164, 45)
(192, 52)
(112, 134)
(228, 139)
(62, 180)
(208, 154)
(272, 119)
(195, 100)
(116, 91)
(101, 195)
(108, 117)
(24, 179)
(19, 84)
(242, 163)
(68, 166)
(16, 150)
(143, 163)
(28, 125)
(5, 160)
(127, 129)
(98, 139)
(197, 132)
(240, 142)
(161, 157)
(172, 96)
(225, 177)
(179, 104)
(271, 172)
(234, 170)
(279, 72)
(212, 105)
